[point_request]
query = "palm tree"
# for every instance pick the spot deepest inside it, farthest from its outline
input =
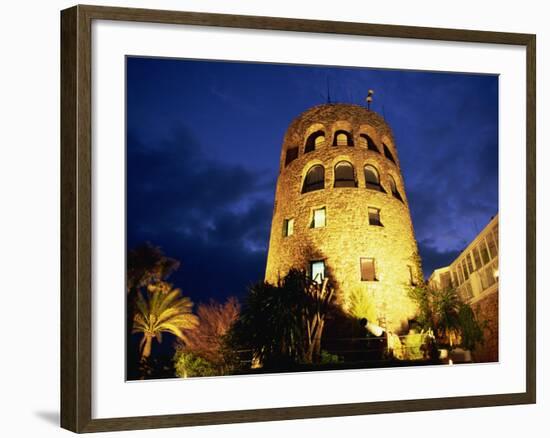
(447, 306)
(163, 309)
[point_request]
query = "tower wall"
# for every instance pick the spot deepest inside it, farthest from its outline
(347, 235)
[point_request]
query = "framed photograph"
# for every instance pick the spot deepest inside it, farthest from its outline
(269, 218)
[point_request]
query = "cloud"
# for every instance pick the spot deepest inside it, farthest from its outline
(213, 216)
(433, 258)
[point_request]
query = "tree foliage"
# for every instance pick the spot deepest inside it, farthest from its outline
(451, 320)
(359, 305)
(146, 265)
(187, 364)
(162, 309)
(206, 341)
(472, 329)
(283, 324)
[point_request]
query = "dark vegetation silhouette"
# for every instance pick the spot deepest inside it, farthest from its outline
(282, 325)
(452, 321)
(298, 324)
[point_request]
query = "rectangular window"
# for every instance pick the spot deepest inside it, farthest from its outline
(488, 277)
(492, 247)
(446, 280)
(288, 227)
(469, 261)
(465, 270)
(319, 218)
(460, 274)
(317, 269)
(454, 279)
(368, 272)
(374, 217)
(484, 253)
(467, 292)
(477, 258)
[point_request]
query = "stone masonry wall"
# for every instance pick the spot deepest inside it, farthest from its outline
(347, 235)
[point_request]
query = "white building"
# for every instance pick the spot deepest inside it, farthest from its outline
(475, 275)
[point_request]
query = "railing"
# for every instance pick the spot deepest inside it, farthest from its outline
(364, 349)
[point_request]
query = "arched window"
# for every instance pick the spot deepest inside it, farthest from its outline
(394, 191)
(315, 179)
(342, 138)
(388, 153)
(372, 179)
(368, 142)
(314, 140)
(344, 175)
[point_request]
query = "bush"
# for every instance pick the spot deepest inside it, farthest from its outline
(415, 345)
(327, 358)
(471, 329)
(192, 365)
(281, 325)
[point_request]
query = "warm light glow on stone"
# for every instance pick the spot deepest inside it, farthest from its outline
(345, 235)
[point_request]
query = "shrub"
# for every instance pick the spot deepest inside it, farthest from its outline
(192, 365)
(327, 358)
(471, 330)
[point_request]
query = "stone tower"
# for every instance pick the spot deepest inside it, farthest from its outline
(341, 211)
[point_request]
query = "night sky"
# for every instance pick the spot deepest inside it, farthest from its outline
(204, 140)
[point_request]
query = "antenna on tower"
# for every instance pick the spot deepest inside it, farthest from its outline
(369, 98)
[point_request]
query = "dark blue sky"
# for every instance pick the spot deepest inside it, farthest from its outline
(203, 147)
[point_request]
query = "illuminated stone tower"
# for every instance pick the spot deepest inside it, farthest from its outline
(341, 211)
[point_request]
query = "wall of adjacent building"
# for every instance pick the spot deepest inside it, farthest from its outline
(475, 275)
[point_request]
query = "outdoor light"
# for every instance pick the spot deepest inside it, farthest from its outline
(376, 330)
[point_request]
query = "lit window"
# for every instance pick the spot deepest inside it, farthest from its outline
(342, 138)
(367, 269)
(454, 279)
(315, 179)
(374, 216)
(291, 155)
(319, 218)
(367, 141)
(388, 153)
(484, 253)
(465, 270)
(460, 274)
(492, 246)
(344, 175)
(288, 227)
(395, 193)
(314, 140)
(467, 292)
(317, 269)
(469, 261)
(446, 280)
(372, 179)
(477, 258)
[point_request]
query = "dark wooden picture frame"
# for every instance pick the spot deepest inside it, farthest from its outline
(76, 218)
